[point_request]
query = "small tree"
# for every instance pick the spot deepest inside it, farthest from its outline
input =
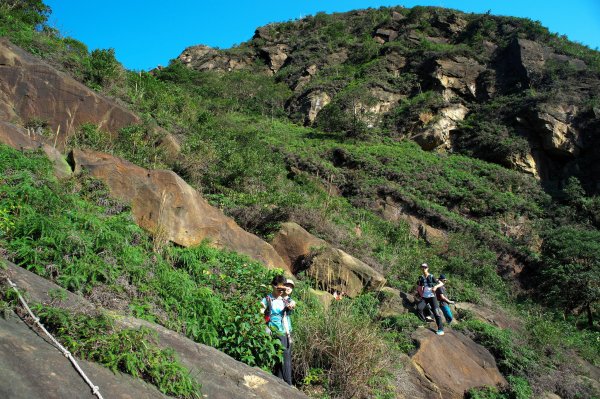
(32, 12)
(571, 274)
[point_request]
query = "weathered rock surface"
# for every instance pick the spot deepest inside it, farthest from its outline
(456, 76)
(275, 56)
(437, 134)
(21, 139)
(221, 376)
(491, 316)
(382, 101)
(311, 103)
(454, 363)
(335, 270)
(30, 89)
(165, 204)
(292, 243)
(553, 123)
(525, 163)
(412, 383)
(532, 58)
(205, 58)
(30, 367)
(393, 303)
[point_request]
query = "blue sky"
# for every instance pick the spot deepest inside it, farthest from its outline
(147, 33)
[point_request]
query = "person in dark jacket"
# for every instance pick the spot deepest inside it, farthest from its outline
(445, 303)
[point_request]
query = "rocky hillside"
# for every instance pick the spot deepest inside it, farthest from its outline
(501, 89)
(151, 209)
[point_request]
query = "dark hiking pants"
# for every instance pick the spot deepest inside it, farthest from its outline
(284, 370)
(435, 308)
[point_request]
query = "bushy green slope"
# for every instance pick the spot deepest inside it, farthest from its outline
(243, 154)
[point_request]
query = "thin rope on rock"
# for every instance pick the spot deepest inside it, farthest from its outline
(62, 349)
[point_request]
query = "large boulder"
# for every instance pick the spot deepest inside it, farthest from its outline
(164, 204)
(410, 382)
(380, 102)
(293, 243)
(32, 90)
(30, 367)
(455, 363)
(335, 270)
(221, 376)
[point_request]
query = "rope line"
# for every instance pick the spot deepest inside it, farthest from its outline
(65, 352)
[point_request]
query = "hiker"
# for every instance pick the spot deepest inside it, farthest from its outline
(422, 307)
(290, 305)
(445, 303)
(276, 310)
(427, 284)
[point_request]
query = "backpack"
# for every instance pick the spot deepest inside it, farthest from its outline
(268, 310)
(267, 313)
(426, 281)
(423, 282)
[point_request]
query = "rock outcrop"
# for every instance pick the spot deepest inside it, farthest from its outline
(221, 376)
(554, 124)
(32, 90)
(293, 243)
(332, 268)
(275, 56)
(335, 270)
(393, 212)
(311, 103)
(437, 133)
(205, 58)
(456, 76)
(164, 204)
(454, 363)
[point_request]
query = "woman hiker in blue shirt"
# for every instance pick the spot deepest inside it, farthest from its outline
(276, 309)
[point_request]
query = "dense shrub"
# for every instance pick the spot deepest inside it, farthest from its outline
(348, 348)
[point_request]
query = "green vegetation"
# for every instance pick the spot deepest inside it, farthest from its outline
(74, 234)
(240, 150)
(128, 350)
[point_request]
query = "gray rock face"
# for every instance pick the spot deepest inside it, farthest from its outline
(30, 367)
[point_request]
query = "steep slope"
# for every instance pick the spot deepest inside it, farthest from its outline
(498, 88)
(369, 206)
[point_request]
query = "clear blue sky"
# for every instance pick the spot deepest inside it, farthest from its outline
(146, 33)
